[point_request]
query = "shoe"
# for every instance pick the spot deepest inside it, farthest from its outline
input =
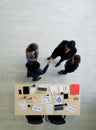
(49, 58)
(60, 72)
(57, 64)
(36, 79)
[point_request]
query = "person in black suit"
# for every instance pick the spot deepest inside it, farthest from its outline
(71, 65)
(66, 50)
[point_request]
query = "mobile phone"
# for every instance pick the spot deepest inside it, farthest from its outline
(25, 89)
(66, 96)
(20, 92)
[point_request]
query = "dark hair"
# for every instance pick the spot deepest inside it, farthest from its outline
(77, 59)
(71, 44)
(32, 47)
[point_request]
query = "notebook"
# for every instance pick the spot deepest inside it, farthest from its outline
(75, 89)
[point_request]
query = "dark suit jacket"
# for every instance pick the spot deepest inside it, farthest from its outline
(60, 50)
(36, 70)
(69, 67)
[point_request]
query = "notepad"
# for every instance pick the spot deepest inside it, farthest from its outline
(49, 109)
(54, 90)
(75, 89)
(45, 99)
(36, 107)
(23, 104)
(71, 108)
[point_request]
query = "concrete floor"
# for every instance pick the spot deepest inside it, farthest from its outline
(47, 22)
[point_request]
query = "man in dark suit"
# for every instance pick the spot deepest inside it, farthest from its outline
(66, 50)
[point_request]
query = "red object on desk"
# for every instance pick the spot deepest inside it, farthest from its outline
(75, 89)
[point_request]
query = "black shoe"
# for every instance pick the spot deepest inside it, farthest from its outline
(36, 79)
(49, 58)
(60, 72)
(57, 64)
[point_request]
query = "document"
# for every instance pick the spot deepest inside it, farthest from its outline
(66, 88)
(61, 89)
(54, 90)
(71, 108)
(45, 99)
(23, 104)
(36, 107)
(59, 100)
(32, 90)
(49, 109)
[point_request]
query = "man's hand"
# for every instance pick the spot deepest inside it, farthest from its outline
(48, 62)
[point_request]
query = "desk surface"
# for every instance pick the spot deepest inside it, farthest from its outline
(42, 102)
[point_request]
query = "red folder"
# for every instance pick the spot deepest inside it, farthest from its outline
(75, 89)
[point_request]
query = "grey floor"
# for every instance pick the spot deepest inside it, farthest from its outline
(47, 22)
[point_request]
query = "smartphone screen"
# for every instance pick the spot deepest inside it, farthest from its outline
(25, 89)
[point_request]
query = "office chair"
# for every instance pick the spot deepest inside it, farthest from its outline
(57, 120)
(34, 119)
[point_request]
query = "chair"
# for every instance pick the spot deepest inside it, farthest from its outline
(34, 119)
(57, 120)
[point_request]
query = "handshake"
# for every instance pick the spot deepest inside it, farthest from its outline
(49, 61)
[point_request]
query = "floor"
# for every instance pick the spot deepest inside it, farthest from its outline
(47, 22)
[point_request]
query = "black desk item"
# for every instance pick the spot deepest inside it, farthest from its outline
(58, 107)
(65, 96)
(42, 89)
(20, 92)
(25, 89)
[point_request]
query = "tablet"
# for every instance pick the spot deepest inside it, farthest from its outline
(25, 89)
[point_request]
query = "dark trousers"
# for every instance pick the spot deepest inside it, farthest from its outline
(55, 54)
(34, 76)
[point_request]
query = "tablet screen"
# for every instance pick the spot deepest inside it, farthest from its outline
(25, 89)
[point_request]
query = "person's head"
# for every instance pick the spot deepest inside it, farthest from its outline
(76, 59)
(32, 47)
(71, 44)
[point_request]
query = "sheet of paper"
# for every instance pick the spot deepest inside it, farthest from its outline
(49, 109)
(45, 99)
(36, 107)
(23, 105)
(32, 90)
(61, 89)
(59, 100)
(71, 108)
(54, 90)
(66, 89)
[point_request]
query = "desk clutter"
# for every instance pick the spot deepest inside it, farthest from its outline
(47, 99)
